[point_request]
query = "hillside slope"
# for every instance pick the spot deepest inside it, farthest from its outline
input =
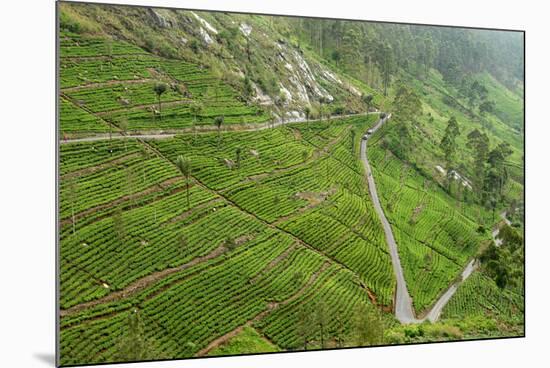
(188, 209)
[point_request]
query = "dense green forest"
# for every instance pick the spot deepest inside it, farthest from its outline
(234, 183)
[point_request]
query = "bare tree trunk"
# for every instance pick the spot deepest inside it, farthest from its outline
(187, 184)
(74, 220)
(160, 109)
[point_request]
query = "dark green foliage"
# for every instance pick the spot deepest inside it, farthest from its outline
(504, 264)
(184, 165)
(367, 99)
(336, 56)
(159, 89)
(406, 108)
(478, 142)
(449, 146)
(368, 326)
(448, 142)
(133, 345)
(487, 107)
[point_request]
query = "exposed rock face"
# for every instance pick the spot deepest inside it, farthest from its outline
(285, 92)
(205, 24)
(308, 79)
(245, 29)
(301, 91)
(331, 77)
(261, 97)
(161, 20)
(301, 80)
(291, 116)
(205, 36)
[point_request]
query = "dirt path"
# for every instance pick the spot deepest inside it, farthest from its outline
(496, 231)
(158, 188)
(270, 307)
(99, 167)
(106, 84)
(148, 280)
(142, 106)
(142, 283)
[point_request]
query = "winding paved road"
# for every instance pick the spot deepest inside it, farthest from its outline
(403, 303)
(404, 311)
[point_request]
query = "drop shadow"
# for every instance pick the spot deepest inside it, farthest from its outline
(47, 358)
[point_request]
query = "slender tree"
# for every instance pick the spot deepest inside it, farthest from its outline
(305, 324)
(159, 89)
(448, 145)
(407, 106)
(497, 172)
(123, 125)
(478, 142)
(184, 166)
(238, 156)
(196, 109)
(133, 345)
(336, 56)
(367, 326)
(367, 99)
(321, 316)
(307, 112)
(219, 121)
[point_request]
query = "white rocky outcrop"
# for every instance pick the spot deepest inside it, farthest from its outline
(260, 97)
(245, 29)
(205, 24)
(286, 93)
(205, 36)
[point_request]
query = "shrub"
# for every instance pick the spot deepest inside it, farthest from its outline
(443, 331)
(394, 337)
(71, 21)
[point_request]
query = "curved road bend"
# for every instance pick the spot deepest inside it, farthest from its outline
(403, 303)
(435, 312)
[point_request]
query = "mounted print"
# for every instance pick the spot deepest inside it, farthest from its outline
(235, 183)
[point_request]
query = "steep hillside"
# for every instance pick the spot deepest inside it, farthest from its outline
(266, 67)
(235, 183)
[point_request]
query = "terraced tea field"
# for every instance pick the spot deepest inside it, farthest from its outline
(112, 82)
(436, 238)
(287, 224)
(188, 205)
